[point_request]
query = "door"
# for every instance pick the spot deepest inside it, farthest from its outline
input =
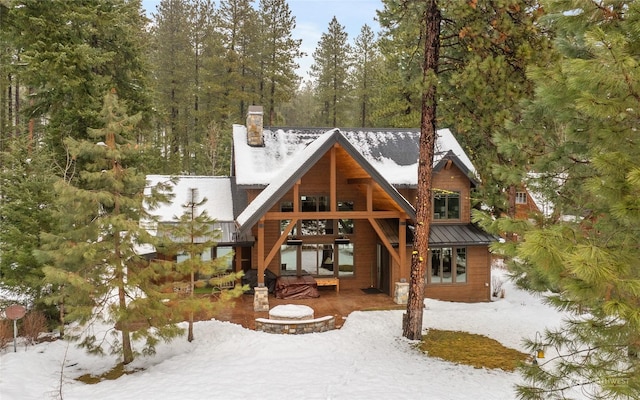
(382, 271)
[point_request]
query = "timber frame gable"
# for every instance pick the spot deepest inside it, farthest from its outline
(383, 201)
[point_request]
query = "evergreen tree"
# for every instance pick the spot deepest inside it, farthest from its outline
(401, 46)
(331, 65)
(25, 210)
(589, 143)
(73, 52)
(302, 108)
(173, 60)
(6, 52)
(194, 236)
(412, 321)
(488, 48)
(278, 54)
(90, 257)
(366, 75)
(240, 28)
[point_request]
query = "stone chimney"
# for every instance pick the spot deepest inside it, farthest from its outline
(254, 126)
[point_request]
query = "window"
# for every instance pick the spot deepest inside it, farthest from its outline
(345, 260)
(315, 226)
(448, 265)
(446, 205)
(345, 226)
(521, 198)
(318, 259)
(318, 227)
(289, 258)
(317, 253)
(225, 255)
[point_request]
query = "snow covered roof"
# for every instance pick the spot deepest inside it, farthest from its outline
(219, 206)
(393, 153)
(301, 162)
(216, 189)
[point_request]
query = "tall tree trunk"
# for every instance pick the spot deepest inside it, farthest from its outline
(412, 321)
(511, 208)
(127, 351)
(191, 316)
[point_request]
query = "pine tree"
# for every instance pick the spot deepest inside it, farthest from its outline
(194, 236)
(400, 42)
(6, 52)
(91, 257)
(412, 321)
(366, 75)
(331, 64)
(589, 262)
(240, 28)
(278, 54)
(173, 57)
(302, 107)
(73, 52)
(25, 198)
(488, 48)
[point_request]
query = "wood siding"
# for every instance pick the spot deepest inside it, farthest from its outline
(317, 181)
(478, 285)
(452, 179)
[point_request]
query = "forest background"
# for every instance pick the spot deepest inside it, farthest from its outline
(540, 93)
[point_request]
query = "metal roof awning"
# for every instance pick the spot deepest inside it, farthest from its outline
(459, 235)
(442, 235)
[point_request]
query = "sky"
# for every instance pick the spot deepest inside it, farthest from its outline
(366, 359)
(313, 17)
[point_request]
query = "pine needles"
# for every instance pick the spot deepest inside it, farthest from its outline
(470, 349)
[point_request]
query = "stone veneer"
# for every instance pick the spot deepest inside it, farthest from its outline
(261, 299)
(315, 325)
(401, 294)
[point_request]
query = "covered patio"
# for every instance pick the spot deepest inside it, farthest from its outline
(330, 302)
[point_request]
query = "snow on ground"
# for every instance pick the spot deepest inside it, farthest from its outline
(366, 359)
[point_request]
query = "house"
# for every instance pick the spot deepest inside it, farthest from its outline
(532, 196)
(336, 206)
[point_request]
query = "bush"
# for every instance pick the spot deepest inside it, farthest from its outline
(33, 324)
(496, 287)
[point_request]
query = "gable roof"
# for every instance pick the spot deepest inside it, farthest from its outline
(298, 165)
(393, 153)
(451, 156)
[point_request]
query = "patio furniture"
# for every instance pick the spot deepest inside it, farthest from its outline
(296, 287)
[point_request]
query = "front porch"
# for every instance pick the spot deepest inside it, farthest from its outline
(337, 304)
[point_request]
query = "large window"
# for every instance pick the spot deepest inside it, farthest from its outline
(315, 251)
(318, 227)
(317, 259)
(315, 226)
(448, 265)
(446, 205)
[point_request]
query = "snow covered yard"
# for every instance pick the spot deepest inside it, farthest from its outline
(366, 359)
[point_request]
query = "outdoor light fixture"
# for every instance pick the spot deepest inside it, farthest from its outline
(540, 346)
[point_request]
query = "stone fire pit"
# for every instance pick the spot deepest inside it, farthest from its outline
(291, 312)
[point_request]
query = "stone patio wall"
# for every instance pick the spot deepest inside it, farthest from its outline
(297, 327)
